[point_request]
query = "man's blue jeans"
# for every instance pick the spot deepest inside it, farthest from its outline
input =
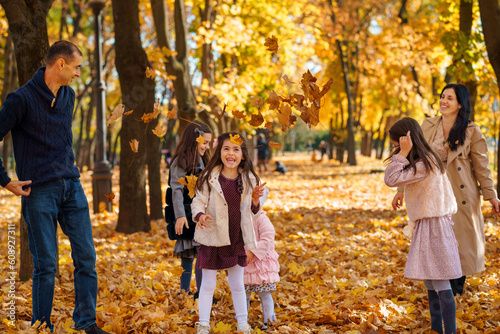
(61, 200)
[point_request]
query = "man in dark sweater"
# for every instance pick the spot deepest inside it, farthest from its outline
(39, 115)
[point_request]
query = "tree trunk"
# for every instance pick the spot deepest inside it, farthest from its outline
(153, 161)
(138, 94)
(466, 21)
(490, 18)
(28, 26)
(177, 65)
(9, 85)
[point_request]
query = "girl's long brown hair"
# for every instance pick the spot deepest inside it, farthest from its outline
(420, 150)
(246, 163)
(186, 151)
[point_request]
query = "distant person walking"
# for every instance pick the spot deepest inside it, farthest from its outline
(323, 149)
(433, 255)
(262, 152)
(39, 114)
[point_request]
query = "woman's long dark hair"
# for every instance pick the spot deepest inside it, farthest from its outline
(186, 151)
(246, 163)
(456, 137)
(420, 150)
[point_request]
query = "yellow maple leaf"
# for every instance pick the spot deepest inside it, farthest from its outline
(284, 114)
(235, 139)
(117, 113)
(294, 269)
(238, 114)
(190, 182)
(200, 140)
(273, 100)
(275, 145)
(67, 326)
(148, 117)
(160, 130)
(172, 113)
(134, 145)
(221, 327)
(271, 43)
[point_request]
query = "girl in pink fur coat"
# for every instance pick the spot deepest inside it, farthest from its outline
(261, 274)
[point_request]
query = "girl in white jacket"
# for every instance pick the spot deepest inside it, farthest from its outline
(226, 201)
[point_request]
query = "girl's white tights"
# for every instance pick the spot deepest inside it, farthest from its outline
(267, 302)
(235, 280)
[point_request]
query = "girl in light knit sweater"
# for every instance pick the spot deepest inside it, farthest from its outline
(433, 255)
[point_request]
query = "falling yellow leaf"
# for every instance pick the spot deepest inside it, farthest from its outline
(271, 43)
(238, 114)
(257, 102)
(273, 100)
(275, 145)
(134, 145)
(160, 130)
(117, 113)
(235, 139)
(102, 207)
(256, 120)
(172, 113)
(148, 117)
(150, 73)
(287, 79)
(110, 197)
(190, 182)
(200, 140)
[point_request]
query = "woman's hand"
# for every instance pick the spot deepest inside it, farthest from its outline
(203, 221)
(179, 224)
(257, 193)
(495, 203)
(250, 257)
(405, 145)
(397, 201)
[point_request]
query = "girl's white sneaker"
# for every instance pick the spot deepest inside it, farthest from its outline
(245, 329)
(202, 328)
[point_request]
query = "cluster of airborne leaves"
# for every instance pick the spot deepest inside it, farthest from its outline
(342, 255)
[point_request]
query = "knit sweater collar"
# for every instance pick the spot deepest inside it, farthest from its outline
(38, 84)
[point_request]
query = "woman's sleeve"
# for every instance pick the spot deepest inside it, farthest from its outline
(481, 164)
(396, 175)
(176, 173)
(266, 235)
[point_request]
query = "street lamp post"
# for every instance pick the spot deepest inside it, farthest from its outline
(101, 177)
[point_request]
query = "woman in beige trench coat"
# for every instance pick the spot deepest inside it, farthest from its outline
(462, 148)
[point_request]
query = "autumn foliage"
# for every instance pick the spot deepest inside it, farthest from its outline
(342, 255)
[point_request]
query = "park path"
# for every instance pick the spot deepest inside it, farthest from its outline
(342, 255)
